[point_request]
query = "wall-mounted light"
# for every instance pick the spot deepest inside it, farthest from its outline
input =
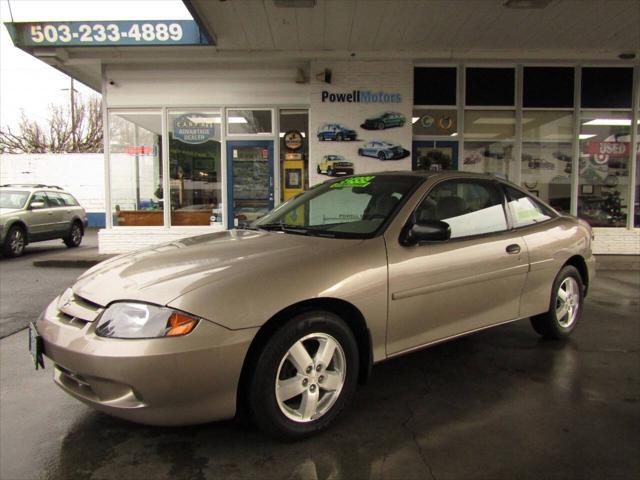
(324, 76)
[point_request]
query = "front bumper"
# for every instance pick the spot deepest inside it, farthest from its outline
(163, 381)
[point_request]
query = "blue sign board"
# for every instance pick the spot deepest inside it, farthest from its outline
(106, 33)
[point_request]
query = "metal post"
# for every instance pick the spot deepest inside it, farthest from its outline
(73, 118)
(575, 153)
(633, 150)
(517, 150)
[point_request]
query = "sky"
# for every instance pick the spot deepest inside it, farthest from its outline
(29, 85)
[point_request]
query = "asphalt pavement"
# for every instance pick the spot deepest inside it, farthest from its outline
(25, 290)
(500, 404)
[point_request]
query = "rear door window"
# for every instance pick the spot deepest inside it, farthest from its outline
(55, 200)
(525, 210)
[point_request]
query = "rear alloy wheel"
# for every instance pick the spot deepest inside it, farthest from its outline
(305, 376)
(382, 156)
(74, 238)
(380, 126)
(339, 137)
(565, 308)
(14, 242)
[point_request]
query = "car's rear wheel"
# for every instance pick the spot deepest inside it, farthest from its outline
(380, 126)
(339, 137)
(305, 376)
(382, 156)
(565, 308)
(330, 171)
(74, 238)
(318, 169)
(14, 242)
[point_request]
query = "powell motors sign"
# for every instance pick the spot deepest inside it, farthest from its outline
(360, 96)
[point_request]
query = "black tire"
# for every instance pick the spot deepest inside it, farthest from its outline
(380, 126)
(330, 171)
(548, 324)
(262, 391)
(339, 137)
(14, 242)
(74, 238)
(318, 169)
(382, 156)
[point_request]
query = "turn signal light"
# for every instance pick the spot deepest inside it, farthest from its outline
(180, 324)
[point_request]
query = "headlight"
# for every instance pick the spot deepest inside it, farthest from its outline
(141, 320)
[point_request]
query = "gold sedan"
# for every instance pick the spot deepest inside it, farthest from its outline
(284, 318)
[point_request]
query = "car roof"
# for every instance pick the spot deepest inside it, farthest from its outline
(32, 187)
(438, 175)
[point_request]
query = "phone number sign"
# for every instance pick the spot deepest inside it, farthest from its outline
(77, 34)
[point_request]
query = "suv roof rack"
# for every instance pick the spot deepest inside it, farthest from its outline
(31, 185)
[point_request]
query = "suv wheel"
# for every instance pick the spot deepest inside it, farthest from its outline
(74, 238)
(14, 242)
(305, 376)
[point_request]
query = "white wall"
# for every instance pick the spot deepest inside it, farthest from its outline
(81, 174)
(204, 85)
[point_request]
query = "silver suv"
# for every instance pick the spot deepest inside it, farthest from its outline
(32, 213)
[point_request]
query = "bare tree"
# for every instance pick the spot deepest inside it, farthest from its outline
(61, 133)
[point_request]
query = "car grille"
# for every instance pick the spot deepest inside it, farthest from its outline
(78, 311)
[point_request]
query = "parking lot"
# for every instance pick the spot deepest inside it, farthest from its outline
(498, 404)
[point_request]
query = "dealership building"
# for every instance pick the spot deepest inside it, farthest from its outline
(211, 122)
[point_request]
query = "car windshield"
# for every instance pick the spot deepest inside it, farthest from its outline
(13, 198)
(351, 207)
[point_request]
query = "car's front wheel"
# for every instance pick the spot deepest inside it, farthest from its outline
(305, 376)
(14, 242)
(565, 308)
(74, 238)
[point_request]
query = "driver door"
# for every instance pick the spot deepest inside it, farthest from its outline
(438, 290)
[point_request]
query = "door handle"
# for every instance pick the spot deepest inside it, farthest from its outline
(513, 249)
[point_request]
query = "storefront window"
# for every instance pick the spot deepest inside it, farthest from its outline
(135, 142)
(294, 152)
(488, 146)
(603, 195)
(546, 156)
(195, 167)
(249, 122)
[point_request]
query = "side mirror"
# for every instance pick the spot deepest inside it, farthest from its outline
(36, 205)
(426, 231)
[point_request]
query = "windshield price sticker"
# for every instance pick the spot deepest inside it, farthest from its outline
(146, 32)
(354, 182)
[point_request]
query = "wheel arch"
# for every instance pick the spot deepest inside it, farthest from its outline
(349, 313)
(580, 264)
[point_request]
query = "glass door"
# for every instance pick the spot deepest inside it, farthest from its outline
(434, 155)
(250, 176)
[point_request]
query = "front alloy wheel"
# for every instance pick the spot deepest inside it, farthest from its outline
(307, 385)
(14, 243)
(305, 375)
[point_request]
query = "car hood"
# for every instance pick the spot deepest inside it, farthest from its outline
(4, 211)
(163, 273)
